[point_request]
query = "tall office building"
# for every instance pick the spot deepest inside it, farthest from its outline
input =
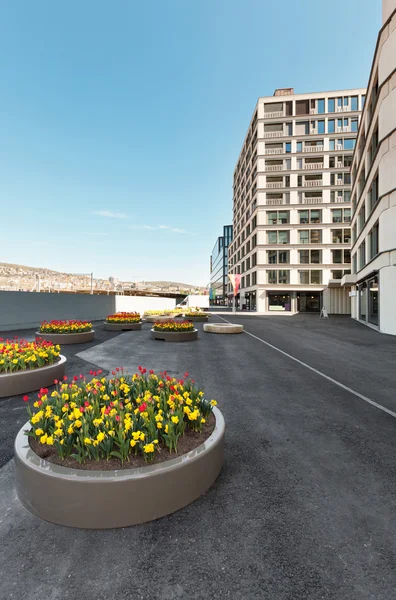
(292, 201)
(374, 189)
(219, 267)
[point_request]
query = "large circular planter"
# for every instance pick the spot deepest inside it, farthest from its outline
(175, 336)
(107, 499)
(22, 382)
(197, 319)
(123, 326)
(158, 318)
(222, 328)
(67, 338)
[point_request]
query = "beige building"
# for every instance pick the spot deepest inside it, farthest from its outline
(374, 190)
(292, 202)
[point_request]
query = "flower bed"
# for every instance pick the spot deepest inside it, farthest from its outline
(27, 366)
(197, 316)
(67, 332)
(119, 421)
(174, 331)
(123, 321)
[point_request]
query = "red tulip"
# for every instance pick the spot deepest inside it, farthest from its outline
(26, 398)
(142, 407)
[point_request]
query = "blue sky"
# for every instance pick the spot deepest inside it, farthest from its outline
(121, 121)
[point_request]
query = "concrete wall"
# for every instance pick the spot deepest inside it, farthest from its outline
(337, 301)
(142, 303)
(388, 6)
(23, 310)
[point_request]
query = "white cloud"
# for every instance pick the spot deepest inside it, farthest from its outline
(111, 215)
(158, 227)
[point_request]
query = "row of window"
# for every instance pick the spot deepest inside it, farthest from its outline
(322, 126)
(334, 144)
(338, 215)
(339, 256)
(309, 236)
(360, 257)
(318, 106)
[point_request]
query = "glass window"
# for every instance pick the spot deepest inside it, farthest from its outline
(349, 143)
(331, 105)
(316, 216)
(373, 305)
(346, 100)
(321, 106)
(272, 257)
(363, 301)
(304, 216)
(337, 256)
(283, 216)
(304, 237)
(304, 257)
(304, 277)
(347, 215)
(272, 276)
(347, 257)
(284, 257)
(332, 145)
(337, 236)
(299, 146)
(288, 146)
(316, 277)
(354, 103)
(321, 126)
(331, 126)
(283, 276)
(272, 237)
(339, 123)
(354, 124)
(337, 215)
(374, 241)
(316, 236)
(272, 218)
(283, 237)
(362, 255)
(347, 236)
(316, 257)
(339, 101)
(363, 100)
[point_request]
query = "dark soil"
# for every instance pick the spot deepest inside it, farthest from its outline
(189, 441)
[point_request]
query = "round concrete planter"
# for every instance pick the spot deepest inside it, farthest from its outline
(123, 326)
(67, 338)
(22, 382)
(158, 318)
(175, 336)
(106, 499)
(222, 328)
(197, 319)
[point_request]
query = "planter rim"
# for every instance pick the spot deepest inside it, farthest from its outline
(179, 332)
(62, 359)
(124, 323)
(26, 454)
(40, 333)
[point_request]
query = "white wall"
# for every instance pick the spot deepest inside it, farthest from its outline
(20, 310)
(142, 303)
(24, 310)
(388, 6)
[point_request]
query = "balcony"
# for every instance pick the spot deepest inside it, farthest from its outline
(315, 165)
(273, 134)
(274, 167)
(275, 184)
(339, 182)
(313, 148)
(339, 200)
(274, 115)
(313, 200)
(273, 151)
(345, 129)
(313, 183)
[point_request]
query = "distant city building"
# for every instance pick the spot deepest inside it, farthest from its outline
(292, 202)
(374, 189)
(219, 267)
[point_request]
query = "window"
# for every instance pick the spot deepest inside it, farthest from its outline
(304, 257)
(363, 100)
(374, 241)
(331, 105)
(337, 256)
(277, 237)
(310, 257)
(299, 146)
(373, 194)
(331, 126)
(337, 215)
(341, 236)
(307, 277)
(362, 255)
(310, 216)
(254, 259)
(354, 124)
(310, 236)
(361, 218)
(321, 107)
(278, 216)
(304, 237)
(316, 257)
(354, 103)
(339, 274)
(349, 143)
(276, 257)
(288, 147)
(304, 216)
(332, 145)
(254, 278)
(321, 126)
(278, 276)
(346, 101)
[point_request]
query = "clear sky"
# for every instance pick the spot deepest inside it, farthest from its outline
(121, 121)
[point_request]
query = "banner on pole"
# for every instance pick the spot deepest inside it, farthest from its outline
(235, 282)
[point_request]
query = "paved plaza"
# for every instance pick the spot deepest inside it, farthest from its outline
(304, 508)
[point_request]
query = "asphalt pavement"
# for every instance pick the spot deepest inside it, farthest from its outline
(304, 508)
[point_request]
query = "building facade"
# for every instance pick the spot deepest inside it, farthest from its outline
(374, 189)
(292, 202)
(219, 267)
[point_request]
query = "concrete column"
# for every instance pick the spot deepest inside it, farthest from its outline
(261, 299)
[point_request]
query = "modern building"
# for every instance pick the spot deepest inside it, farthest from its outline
(292, 202)
(374, 189)
(219, 267)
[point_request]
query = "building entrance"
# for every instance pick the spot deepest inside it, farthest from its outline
(309, 301)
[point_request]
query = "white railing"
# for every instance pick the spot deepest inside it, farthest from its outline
(339, 147)
(339, 199)
(341, 109)
(313, 166)
(316, 200)
(273, 151)
(339, 182)
(313, 149)
(273, 134)
(339, 165)
(275, 202)
(274, 167)
(275, 184)
(313, 183)
(312, 111)
(274, 115)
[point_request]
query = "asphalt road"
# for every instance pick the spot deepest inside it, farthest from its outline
(304, 509)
